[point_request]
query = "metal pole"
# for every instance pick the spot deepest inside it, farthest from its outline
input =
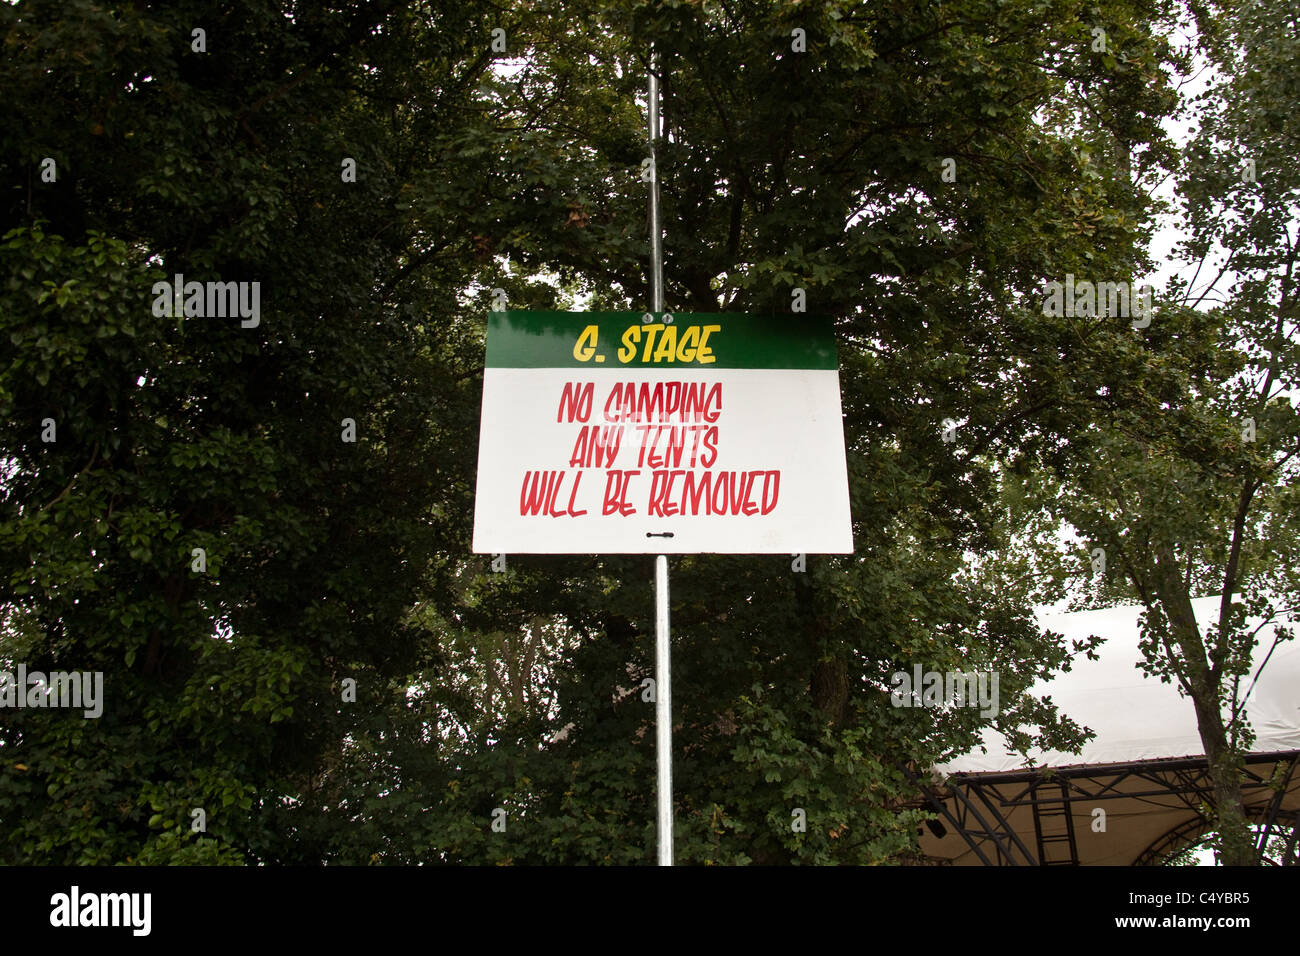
(656, 232)
(663, 647)
(663, 713)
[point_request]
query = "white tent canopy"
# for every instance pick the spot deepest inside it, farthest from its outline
(1138, 717)
(1145, 768)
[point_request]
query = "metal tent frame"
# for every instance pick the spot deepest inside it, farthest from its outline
(1040, 817)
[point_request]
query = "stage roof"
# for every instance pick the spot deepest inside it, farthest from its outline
(1138, 717)
(1137, 791)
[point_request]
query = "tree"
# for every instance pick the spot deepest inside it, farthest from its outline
(1179, 458)
(822, 170)
(200, 529)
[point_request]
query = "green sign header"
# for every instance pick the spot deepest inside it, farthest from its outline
(705, 340)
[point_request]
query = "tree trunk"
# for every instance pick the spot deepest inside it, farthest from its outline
(1237, 846)
(829, 681)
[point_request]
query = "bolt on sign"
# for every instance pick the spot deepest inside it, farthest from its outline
(603, 433)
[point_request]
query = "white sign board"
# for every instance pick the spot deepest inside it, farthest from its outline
(602, 433)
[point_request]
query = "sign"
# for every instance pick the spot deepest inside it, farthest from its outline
(602, 433)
